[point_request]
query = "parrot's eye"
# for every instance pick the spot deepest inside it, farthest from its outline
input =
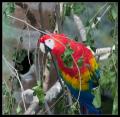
(50, 43)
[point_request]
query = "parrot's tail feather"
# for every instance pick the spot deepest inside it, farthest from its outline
(85, 100)
(89, 109)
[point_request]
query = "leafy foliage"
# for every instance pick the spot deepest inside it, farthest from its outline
(38, 91)
(108, 75)
(19, 55)
(78, 8)
(9, 8)
(80, 61)
(97, 99)
(67, 9)
(75, 108)
(60, 106)
(9, 100)
(113, 12)
(18, 110)
(115, 104)
(74, 7)
(66, 57)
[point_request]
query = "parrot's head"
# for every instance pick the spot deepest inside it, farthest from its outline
(55, 42)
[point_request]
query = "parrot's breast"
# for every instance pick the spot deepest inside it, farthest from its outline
(81, 55)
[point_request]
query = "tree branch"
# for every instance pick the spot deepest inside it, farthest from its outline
(80, 27)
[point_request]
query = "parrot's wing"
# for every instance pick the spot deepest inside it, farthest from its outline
(95, 72)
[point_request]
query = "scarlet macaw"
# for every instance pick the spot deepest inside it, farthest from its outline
(78, 68)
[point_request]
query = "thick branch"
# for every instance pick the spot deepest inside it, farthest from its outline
(80, 27)
(103, 53)
(59, 13)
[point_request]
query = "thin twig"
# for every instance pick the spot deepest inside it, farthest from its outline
(29, 46)
(114, 64)
(42, 69)
(112, 51)
(26, 24)
(98, 12)
(29, 36)
(38, 65)
(48, 108)
(101, 16)
(26, 12)
(52, 106)
(79, 78)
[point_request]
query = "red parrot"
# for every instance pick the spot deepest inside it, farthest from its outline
(78, 68)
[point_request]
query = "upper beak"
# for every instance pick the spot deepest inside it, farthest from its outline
(42, 47)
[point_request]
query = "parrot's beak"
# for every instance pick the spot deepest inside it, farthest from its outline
(43, 50)
(42, 47)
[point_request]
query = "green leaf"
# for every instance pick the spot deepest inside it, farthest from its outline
(9, 8)
(80, 61)
(19, 55)
(97, 98)
(115, 104)
(78, 8)
(73, 108)
(18, 110)
(67, 10)
(39, 92)
(66, 57)
(114, 13)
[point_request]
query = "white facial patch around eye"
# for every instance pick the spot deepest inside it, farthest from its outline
(42, 47)
(50, 43)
